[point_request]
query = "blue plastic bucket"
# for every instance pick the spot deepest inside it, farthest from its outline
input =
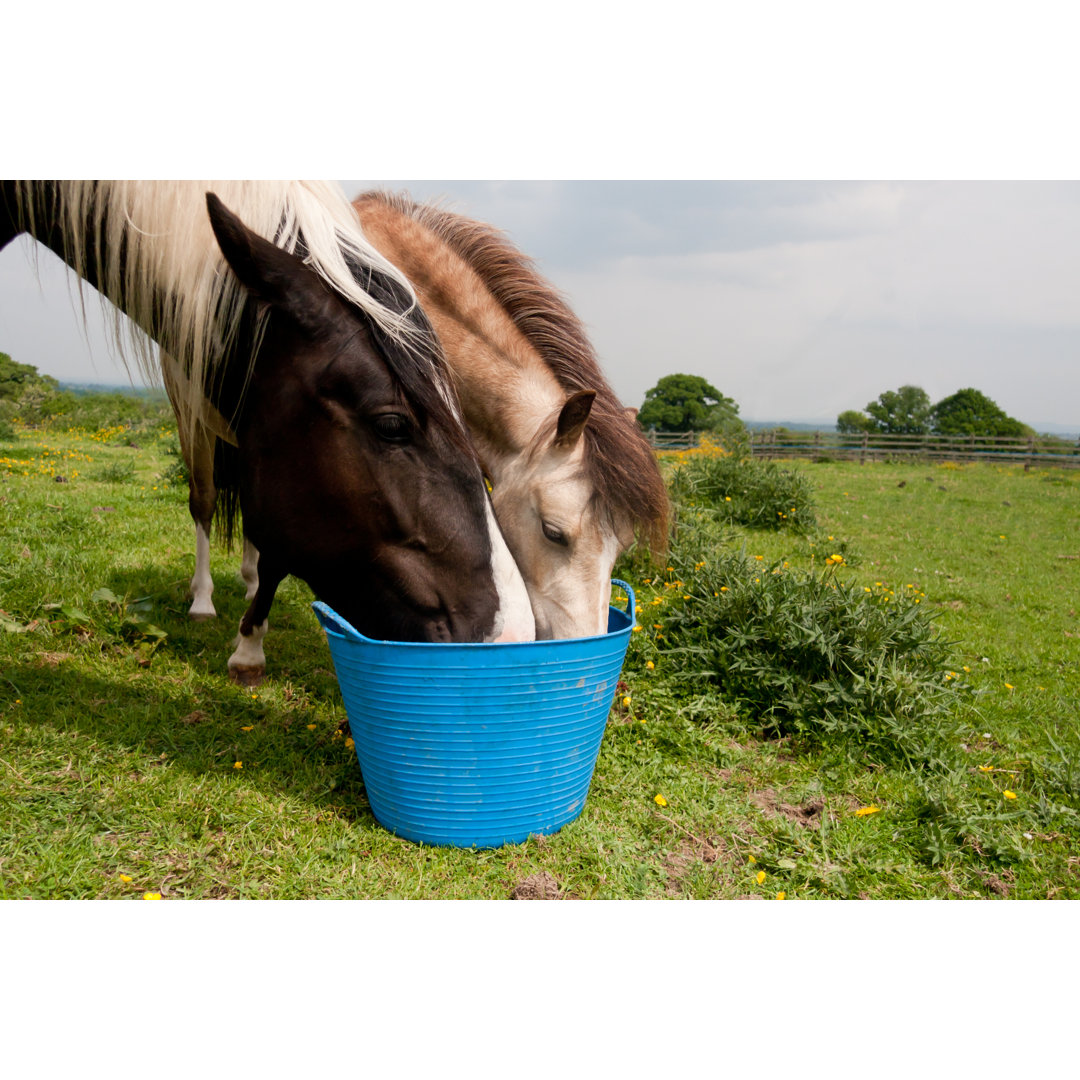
(475, 745)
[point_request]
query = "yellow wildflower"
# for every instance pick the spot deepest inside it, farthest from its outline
(637, 629)
(1009, 794)
(626, 702)
(349, 744)
(751, 860)
(865, 811)
(248, 727)
(125, 878)
(986, 768)
(660, 800)
(649, 665)
(760, 879)
(238, 764)
(781, 896)
(151, 896)
(1009, 686)
(311, 727)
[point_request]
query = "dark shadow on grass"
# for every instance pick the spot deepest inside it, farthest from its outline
(195, 716)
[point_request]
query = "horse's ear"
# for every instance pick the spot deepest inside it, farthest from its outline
(631, 412)
(572, 419)
(268, 272)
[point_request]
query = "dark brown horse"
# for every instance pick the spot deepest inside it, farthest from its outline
(354, 470)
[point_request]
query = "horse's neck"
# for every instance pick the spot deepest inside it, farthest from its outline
(507, 390)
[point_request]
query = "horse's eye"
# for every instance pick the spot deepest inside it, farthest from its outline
(393, 427)
(556, 536)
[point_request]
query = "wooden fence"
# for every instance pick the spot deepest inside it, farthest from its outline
(831, 445)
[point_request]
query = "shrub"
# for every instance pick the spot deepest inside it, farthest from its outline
(801, 653)
(177, 471)
(745, 491)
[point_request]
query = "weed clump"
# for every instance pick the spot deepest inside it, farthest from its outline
(802, 653)
(743, 490)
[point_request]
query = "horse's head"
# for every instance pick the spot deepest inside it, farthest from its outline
(356, 473)
(559, 529)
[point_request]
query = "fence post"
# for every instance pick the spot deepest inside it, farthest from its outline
(862, 449)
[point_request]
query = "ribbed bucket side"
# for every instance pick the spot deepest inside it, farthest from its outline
(479, 745)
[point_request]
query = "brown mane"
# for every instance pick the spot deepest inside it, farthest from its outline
(619, 461)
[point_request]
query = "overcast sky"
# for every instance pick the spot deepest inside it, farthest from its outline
(799, 300)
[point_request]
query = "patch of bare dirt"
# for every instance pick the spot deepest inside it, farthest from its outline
(808, 815)
(541, 886)
(999, 884)
(54, 659)
(693, 849)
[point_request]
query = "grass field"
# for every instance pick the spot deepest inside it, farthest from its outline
(130, 766)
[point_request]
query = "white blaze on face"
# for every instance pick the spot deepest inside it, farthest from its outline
(514, 621)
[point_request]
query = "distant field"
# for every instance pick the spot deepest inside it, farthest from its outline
(130, 765)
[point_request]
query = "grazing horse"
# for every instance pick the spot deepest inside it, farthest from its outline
(352, 468)
(573, 476)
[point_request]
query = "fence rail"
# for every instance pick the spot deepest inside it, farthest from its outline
(831, 445)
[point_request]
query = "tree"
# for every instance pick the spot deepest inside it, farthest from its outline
(686, 403)
(971, 412)
(853, 422)
(17, 378)
(901, 412)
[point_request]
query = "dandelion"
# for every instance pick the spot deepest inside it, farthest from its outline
(1009, 686)
(125, 878)
(349, 744)
(626, 702)
(311, 727)
(649, 665)
(727, 498)
(1009, 794)
(637, 629)
(723, 588)
(660, 800)
(238, 764)
(751, 860)
(781, 896)
(866, 811)
(760, 879)
(248, 727)
(986, 768)
(151, 896)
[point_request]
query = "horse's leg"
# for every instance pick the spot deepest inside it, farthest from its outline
(249, 568)
(202, 499)
(247, 665)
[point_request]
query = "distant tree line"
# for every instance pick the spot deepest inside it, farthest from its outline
(690, 403)
(908, 411)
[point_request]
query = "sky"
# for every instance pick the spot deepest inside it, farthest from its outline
(799, 299)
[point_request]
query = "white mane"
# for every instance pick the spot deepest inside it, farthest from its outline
(173, 280)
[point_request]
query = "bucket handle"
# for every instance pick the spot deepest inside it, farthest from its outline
(629, 596)
(331, 620)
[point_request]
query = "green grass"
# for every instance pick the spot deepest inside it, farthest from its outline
(120, 732)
